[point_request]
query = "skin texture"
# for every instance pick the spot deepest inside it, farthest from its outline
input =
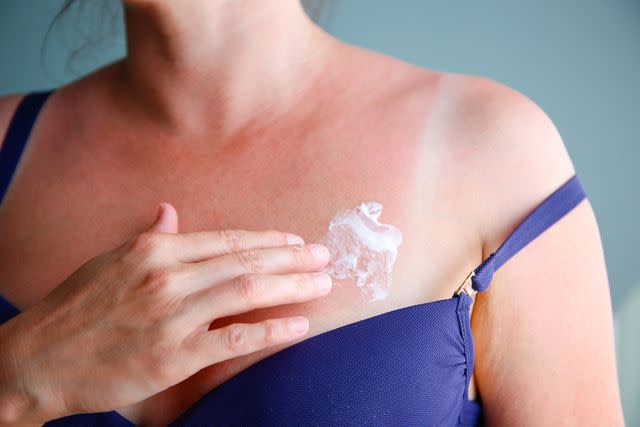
(246, 115)
(140, 314)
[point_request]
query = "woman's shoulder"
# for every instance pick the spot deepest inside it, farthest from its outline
(495, 149)
(499, 151)
(494, 131)
(509, 153)
(525, 331)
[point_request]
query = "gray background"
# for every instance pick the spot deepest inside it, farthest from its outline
(578, 60)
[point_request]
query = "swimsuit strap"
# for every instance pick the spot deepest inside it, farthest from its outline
(17, 136)
(550, 210)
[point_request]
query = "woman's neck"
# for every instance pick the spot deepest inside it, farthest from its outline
(222, 63)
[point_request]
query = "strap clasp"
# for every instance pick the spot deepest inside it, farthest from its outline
(467, 286)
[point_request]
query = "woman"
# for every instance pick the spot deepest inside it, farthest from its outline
(248, 115)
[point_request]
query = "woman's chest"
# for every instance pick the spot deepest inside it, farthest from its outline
(65, 208)
(72, 200)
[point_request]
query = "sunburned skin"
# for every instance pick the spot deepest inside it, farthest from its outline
(362, 249)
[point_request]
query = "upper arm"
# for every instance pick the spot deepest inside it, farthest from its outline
(8, 105)
(543, 331)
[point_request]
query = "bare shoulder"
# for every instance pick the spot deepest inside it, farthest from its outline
(8, 105)
(509, 153)
(499, 151)
(549, 305)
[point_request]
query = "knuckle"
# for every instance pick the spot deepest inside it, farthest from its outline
(162, 281)
(163, 297)
(250, 260)
(232, 240)
(235, 338)
(248, 288)
(272, 333)
(145, 244)
(156, 281)
(169, 306)
(161, 336)
(298, 256)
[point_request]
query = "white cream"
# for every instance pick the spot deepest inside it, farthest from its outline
(363, 249)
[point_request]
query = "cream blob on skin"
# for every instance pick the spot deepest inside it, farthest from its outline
(363, 249)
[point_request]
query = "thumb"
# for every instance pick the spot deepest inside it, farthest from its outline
(166, 220)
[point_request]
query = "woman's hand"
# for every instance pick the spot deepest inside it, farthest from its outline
(134, 321)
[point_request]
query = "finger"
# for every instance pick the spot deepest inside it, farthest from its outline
(239, 339)
(202, 245)
(166, 220)
(279, 260)
(249, 292)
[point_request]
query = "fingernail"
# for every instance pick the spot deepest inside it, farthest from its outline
(293, 239)
(323, 281)
(319, 252)
(298, 325)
